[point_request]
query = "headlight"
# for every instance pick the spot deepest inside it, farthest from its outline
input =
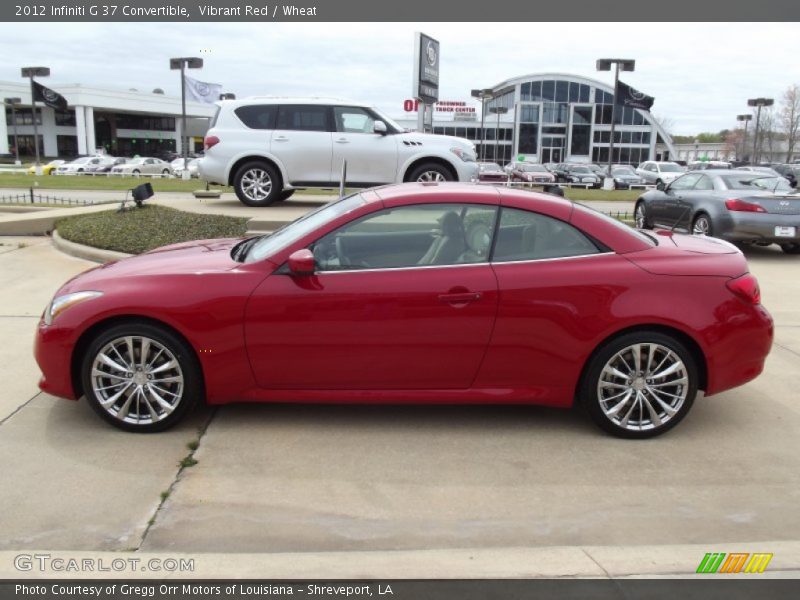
(464, 155)
(61, 303)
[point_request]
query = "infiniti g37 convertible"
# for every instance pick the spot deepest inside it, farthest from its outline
(426, 293)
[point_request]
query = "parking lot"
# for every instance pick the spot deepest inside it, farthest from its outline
(284, 478)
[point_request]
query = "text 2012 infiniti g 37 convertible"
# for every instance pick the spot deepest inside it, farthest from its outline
(447, 293)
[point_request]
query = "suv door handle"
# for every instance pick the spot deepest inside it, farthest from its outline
(342, 141)
(460, 298)
(281, 138)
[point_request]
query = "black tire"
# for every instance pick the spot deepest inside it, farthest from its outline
(645, 222)
(590, 392)
(186, 396)
(136, 172)
(431, 172)
(165, 172)
(285, 195)
(791, 248)
(259, 194)
(702, 221)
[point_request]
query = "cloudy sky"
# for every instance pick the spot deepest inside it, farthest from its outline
(701, 74)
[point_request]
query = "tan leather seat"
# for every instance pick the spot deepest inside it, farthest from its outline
(449, 243)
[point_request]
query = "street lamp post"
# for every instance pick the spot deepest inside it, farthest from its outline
(497, 110)
(746, 119)
(604, 64)
(30, 73)
(181, 64)
(12, 102)
(483, 95)
(758, 102)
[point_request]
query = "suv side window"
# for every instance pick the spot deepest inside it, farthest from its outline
(303, 118)
(525, 235)
(258, 116)
(353, 120)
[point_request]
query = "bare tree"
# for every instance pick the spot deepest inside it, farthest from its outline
(766, 134)
(790, 119)
(666, 123)
(735, 144)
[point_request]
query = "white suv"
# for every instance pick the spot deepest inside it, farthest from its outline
(268, 147)
(654, 171)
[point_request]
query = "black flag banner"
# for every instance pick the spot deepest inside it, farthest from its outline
(626, 95)
(49, 97)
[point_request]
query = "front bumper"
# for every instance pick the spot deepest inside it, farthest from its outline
(466, 171)
(757, 227)
(52, 350)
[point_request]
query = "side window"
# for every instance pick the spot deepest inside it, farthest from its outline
(303, 118)
(685, 182)
(258, 116)
(353, 120)
(410, 236)
(704, 183)
(525, 235)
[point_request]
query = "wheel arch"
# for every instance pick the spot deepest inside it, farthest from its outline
(429, 159)
(691, 344)
(255, 157)
(94, 330)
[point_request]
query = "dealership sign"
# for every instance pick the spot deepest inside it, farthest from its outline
(460, 109)
(426, 68)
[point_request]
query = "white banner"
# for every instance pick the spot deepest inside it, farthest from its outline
(200, 91)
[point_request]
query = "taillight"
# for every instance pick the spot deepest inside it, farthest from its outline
(746, 288)
(742, 206)
(210, 141)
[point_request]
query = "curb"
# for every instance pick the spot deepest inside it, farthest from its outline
(86, 252)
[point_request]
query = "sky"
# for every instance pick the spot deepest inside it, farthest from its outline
(701, 74)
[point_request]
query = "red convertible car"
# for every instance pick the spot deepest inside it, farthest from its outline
(428, 293)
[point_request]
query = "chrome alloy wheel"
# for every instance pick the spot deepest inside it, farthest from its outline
(426, 176)
(701, 226)
(256, 184)
(642, 387)
(137, 380)
(639, 216)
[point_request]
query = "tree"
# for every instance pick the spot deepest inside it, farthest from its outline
(789, 119)
(766, 134)
(666, 123)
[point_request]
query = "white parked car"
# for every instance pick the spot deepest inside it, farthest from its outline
(79, 165)
(655, 171)
(143, 166)
(268, 147)
(191, 166)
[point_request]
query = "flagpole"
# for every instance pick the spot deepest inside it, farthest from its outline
(183, 114)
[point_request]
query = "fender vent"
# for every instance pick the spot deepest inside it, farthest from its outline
(411, 143)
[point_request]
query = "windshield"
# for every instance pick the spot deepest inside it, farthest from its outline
(269, 245)
(580, 170)
(136, 161)
(81, 161)
(534, 169)
(670, 168)
(623, 171)
(757, 183)
(490, 167)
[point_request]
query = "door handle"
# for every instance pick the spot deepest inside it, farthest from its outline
(281, 138)
(342, 141)
(460, 298)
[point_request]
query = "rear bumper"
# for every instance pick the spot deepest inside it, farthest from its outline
(757, 227)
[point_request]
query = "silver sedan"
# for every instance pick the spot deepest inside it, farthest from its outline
(143, 166)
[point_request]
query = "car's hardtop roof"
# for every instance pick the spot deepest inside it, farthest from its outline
(431, 193)
(251, 100)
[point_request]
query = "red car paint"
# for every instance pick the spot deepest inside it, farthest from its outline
(514, 332)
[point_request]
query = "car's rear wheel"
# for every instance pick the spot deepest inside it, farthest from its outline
(140, 377)
(640, 385)
(257, 184)
(702, 225)
(165, 172)
(431, 172)
(791, 248)
(136, 172)
(640, 216)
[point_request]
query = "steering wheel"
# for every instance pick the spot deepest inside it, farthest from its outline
(346, 261)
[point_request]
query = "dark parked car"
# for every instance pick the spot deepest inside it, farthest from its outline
(624, 176)
(735, 205)
(491, 172)
(576, 173)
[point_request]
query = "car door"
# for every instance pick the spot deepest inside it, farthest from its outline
(391, 306)
(302, 143)
(371, 157)
(677, 199)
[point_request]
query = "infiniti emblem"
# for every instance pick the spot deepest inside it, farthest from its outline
(784, 203)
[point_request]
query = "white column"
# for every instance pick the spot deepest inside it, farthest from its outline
(178, 136)
(4, 133)
(48, 131)
(91, 141)
(80, 129)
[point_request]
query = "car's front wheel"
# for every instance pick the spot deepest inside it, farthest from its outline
(791, 248)
(431, 172)
(257, 184)
(640, 216)
(140, 377)
(640, 384)
(702, 225)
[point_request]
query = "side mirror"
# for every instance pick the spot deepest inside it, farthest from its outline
(379, 127)
(661, 187)
(302, 262)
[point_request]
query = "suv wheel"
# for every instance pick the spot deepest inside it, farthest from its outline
(257, 184)
(431, 172)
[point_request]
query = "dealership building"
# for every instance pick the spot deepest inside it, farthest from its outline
(120, 123)
(550, 117)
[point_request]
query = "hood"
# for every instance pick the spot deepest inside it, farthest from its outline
(413, 138)
(187, 258)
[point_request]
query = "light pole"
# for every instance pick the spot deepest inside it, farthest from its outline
(746, 119)
(604, 64)
(497, 110)
(30, 73)
(12, 102)
(181, 64)
(758, 102)
(483, 95)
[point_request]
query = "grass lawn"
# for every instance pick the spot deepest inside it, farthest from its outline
(141, 229)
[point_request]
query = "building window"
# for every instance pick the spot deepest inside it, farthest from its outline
(65, 118)
(528, 138)
(144, 122)
(555, 113)
(529, 113)
(25, 145)
(549, 91)
(24, 117)
(581, 130)
(67, 145)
